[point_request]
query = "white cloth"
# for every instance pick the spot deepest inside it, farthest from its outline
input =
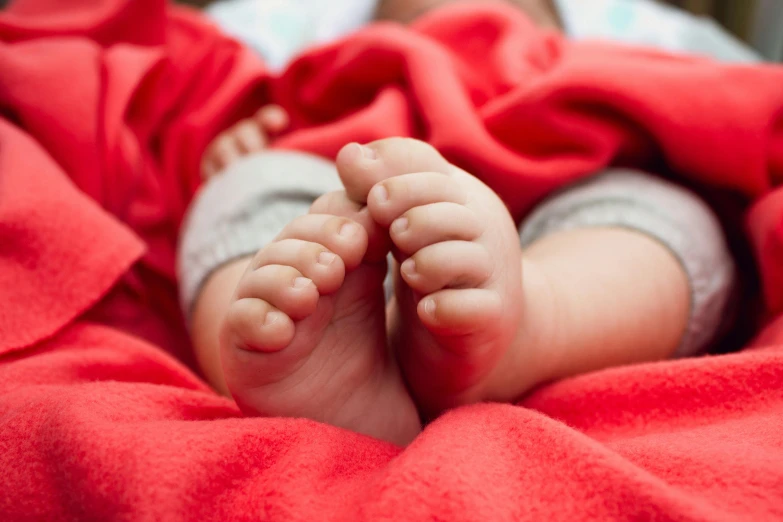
(280, 29)
(651, 24)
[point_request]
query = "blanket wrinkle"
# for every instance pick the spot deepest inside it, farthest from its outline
(107, 107)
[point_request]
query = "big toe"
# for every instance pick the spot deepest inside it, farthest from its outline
(338, 203)
(362, 166)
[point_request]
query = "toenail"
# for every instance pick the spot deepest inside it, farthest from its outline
(409, 266)
(368, 153)
(326, 258)
(348, 229)
(429, 306)
(302, 282)
(399, 225)
(272, 318)
(358, 148)
(380, 194)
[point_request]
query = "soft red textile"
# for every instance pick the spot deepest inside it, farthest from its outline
(107, 106)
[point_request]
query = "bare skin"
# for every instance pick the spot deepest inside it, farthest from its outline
(299, 329)
(304, 333)
(542, 12)
(503, 322)
(474, 317)
(477, 320)
(245, 137)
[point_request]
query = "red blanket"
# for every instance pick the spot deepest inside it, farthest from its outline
(106, 107)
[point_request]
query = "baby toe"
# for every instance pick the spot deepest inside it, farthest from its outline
(391, 198)
(429, 224)
(343, 236)
(453, 264)
(249, 137)
(309, 259)
(338, 203)
(255, 325)
(225, 150)
(456, 312)
(362, 166)
(283, 287)
(272, 118)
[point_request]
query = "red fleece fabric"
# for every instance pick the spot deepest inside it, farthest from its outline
(106, 108)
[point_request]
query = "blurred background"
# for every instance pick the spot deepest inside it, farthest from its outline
(757, 22)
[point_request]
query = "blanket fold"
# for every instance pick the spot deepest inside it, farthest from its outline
(105, 109)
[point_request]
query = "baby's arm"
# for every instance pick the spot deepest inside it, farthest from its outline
(625, 268)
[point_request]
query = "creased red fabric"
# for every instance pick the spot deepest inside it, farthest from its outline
(106, 108)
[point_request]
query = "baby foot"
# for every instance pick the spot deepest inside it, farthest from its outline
(460, 296)
(243, 138)
(305, 334)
